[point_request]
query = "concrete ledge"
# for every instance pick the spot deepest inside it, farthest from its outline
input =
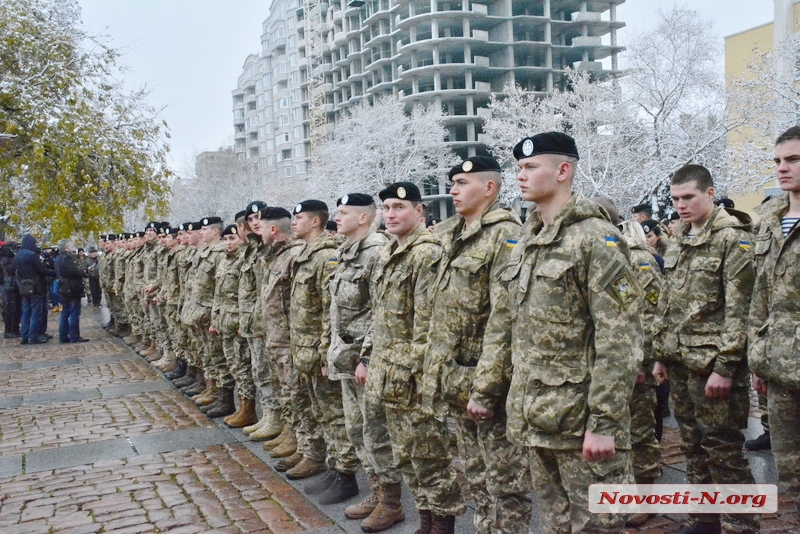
(190, 438)
(75, 455)
(134, 387)
(10, 466)
(61, 396)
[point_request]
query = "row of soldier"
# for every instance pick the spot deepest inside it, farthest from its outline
(539, 341)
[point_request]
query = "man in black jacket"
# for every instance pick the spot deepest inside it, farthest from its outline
(70, 292)
(13, 303)
(32, 284)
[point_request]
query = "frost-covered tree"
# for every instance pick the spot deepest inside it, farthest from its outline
(373, 145)
(76, 148)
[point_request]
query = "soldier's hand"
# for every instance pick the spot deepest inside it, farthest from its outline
(361, 374)
(760, 386)
(324, 371)
(660, 373)
(598, 447)
(212, 330)
(718, 387)
(639, 379)
(478, 412)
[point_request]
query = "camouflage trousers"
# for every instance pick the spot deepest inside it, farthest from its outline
(784, 411)
(237, 358)
(328, 411)
(561, 480)
(365, 423)
(133, 311)
(420, 446)
(497, 473)
(214, 363)
(263, 374)
(144, 311)
(310, 441)
(763, 408)
(711, 438)
(645, 450)
(159, 326)
(116, 307)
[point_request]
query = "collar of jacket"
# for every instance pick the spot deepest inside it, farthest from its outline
(578, 208)
(420, 235)
(720, 218)
(349, 252)
(322, 241)
(493, 214)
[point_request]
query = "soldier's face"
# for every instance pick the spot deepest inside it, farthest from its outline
(254, 221)
(692, 204)
(346, 219)
(401, 216)
(640, 217)
(673, 225)
(787, 165)
(194, 237)
(232, 242)
(302, 225)
(538, 177)
(469, 193)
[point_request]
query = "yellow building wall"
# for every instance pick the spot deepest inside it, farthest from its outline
(739, 50)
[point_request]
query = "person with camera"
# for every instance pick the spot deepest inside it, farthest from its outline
(70, 292)
(32, 283)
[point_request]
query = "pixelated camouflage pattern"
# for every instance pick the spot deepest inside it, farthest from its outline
(200, 297)
(225, 306)
(248, 291)
(784, 413)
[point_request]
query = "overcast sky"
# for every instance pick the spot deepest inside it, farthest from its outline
(190, 52)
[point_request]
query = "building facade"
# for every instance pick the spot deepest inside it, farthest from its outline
(452, 53)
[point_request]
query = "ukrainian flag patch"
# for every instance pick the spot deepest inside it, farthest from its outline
(744, 245)
(333, 261)
(511, 243)
(644, 266)
(611, 241)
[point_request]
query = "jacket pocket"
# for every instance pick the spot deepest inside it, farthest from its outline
(399, 385)
(556, 410)
(705, 278)
(457, 384)
(700, 351)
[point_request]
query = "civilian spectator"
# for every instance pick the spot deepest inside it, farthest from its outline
(70, 292)
(32, 283)
(12, 301)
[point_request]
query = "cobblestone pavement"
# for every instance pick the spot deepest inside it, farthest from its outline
(93, 439)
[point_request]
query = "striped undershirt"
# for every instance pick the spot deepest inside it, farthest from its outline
(787, 223)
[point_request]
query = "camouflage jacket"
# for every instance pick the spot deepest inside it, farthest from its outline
(168, 281)
(401, 317)
(702, 312)
(150, 259)
(310, 309)
(120, 266)
(134, 274)
(200, 296)
(107, 270)
(462, 299)
(774, 324)
(351, 304)
(564, 331)
(248, 291)
(275, 293)
(648, 274)
(225, 309)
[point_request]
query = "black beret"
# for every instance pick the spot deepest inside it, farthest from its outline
(152, 226)
(310, 205)
(272, 213)
(674, 216)
(239, 214)
(641, 208)
(401, 190)
(726, 203)
(208, 221)
(162, 229)
(475, 164)
(651, 226)
(546, 143)
(254, 207)
(139, 233)
(331, 225)
(125, 235)
(80, 249)
(193, 225)
(231, 229)
(356, 199)
(92, 249)
(111, 237)
(171, 231)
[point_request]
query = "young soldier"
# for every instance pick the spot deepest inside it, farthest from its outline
(564, 331)
(701, 335)
(165, 296)
(194, 380)
(774, 313)
(310, 338)
(477, 243)
(348, 357)
(401, 318)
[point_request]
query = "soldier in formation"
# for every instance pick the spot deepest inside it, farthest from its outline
(537, 341)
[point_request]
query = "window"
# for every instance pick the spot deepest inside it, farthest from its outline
(282, 67)
(284, 120)
(293, 60)
(289, 171)
(266, 80)
(298, 150)
(295, 77)
(238, 113)
(285, 136)
(286, 153)
(270, 161)
(295, 96)
(297, 114)
(292, 41)
(264, 163)
(300, 168)
(270, 144)
(284, 102)
(298, 132)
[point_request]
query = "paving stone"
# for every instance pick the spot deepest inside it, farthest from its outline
(45, 460)
(61, 396)
(190, 438)
(10, 466)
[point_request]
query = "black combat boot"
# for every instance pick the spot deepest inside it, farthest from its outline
(178, 372)
(344, 486)
(225, 404)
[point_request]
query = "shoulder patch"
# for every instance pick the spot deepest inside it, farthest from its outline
(644, 266)
(623, 289)
(333, 261)
(511, 243)
(611, 241)
(744, 245)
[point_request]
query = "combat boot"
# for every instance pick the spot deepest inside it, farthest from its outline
(123, 330)
(255, 426)
(195, 387)
(638, 520)
(149, 350)
(443, 524)
(274, 443)
(131, 339)
(224, 404)
(286, 448)
(306, 468)
(389, 511)
(288, 462)
(167, 363)
(315, 487)
(139, 347)
(425, 522)
(368, 505)
(344, 486)
(246, 415)
(188, 377)
(208, 395)
(178, 372)
(269, 430)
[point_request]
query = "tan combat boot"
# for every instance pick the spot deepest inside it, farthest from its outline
(149, 350)
(288, 462)
(306, 468)
(638, 520)
(252, 428)
(286, 448)
(167, 363)
(208, 395)
(274, 443)
(269, 430)
(389, 511)
(368, 505)
(131, 339)
(246, 415)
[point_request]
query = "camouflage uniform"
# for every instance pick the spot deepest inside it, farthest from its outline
(401, 317)
(496, 469)
(184, 335)
(251, 326)
(351, 318)
(274, 297)
(134, 278)
(154, 253)
(197, 313)
(645, 450)
(310, 328)
(225, 318)
(117, 286)
(775, 337)
(563, 341)
(702, 321)
(168, 295)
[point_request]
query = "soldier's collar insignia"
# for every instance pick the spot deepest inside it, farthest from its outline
(611, 241)
(466, 166)
(401, 192)
(527, 147)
